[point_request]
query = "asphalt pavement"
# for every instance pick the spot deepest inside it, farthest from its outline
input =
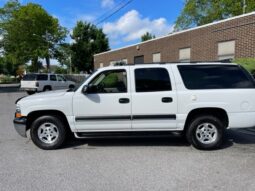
(122, 164)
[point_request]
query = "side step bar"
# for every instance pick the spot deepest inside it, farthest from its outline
(142, 134)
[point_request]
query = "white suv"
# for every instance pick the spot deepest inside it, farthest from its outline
(199, 100)
(44, 82)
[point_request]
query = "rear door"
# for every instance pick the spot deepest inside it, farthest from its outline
(53, 81)
(154, 100)
(62, 83)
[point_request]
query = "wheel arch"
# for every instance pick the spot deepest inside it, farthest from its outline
(217, 112)
(35, 114)
(47, 86)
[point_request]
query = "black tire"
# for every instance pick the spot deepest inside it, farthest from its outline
(47, 88)
(44, 121)
(71, 87)
(193, 134)
(30, 92)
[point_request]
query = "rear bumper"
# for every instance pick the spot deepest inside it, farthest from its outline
(20, 126)
(29, 89)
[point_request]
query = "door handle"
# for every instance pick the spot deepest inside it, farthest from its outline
(167, 100)
(123, 100)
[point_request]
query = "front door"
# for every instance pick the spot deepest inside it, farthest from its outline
(107, 103)
(154, 100)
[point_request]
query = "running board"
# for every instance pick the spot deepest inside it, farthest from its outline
(141, 134)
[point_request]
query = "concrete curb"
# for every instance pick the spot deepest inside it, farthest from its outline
(10, 85)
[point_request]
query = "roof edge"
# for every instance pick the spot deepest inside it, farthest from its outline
(180, 32)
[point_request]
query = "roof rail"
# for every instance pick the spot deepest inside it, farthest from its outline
(192, 62)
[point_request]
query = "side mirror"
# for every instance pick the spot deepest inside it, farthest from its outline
(89, 89)
(85, 89)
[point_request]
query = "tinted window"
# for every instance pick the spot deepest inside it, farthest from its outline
(53, 78)
(114, 81)
(152, 80)
(61, 78)
(215, 77)
(42, 77)
(29, 77)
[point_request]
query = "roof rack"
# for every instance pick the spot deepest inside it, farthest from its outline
(192, 62)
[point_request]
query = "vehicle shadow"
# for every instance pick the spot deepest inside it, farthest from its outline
(127, 142)
(231, 137)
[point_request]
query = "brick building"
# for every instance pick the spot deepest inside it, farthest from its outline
(230, 38)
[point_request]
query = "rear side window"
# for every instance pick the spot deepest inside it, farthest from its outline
(29, 77)
(53, 78)
(152, 80)
(42, 77)
(215, 77)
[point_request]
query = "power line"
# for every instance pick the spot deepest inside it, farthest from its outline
(109, 11)
(121, 7)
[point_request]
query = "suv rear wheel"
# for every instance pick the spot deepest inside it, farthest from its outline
(47, 88)
(30, 92)
(205, 132)
(48, 132)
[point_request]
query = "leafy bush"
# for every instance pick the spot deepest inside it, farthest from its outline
(6, 79)
(247, 63)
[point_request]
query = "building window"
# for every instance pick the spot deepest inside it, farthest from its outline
(120, 62)
(101, 65)
(139, 59)
(156, 57)
(112, 63)
(226, 50)
(184, 55)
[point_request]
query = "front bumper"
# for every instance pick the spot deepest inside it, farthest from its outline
(20, 126)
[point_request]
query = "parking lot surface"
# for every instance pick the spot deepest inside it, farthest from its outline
(122, 164)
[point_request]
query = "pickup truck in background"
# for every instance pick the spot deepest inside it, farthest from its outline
(33, 83)
(198, 100)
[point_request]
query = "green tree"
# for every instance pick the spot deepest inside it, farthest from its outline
(147, 36)
(200, 12)
(88, 40)
(31, 33)
(63, 55)
(247, 63)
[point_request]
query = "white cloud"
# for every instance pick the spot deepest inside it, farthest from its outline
(86, 17)
(107, 3)
(131, 26)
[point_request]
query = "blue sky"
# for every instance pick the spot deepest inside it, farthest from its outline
(126, 26)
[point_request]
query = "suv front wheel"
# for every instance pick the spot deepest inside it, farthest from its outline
(205, 132)
(48, 132)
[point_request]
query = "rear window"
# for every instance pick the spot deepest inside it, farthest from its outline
(42, 77)
(215, 77)
(29, 77)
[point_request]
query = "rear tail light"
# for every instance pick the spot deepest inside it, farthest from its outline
(37, 84)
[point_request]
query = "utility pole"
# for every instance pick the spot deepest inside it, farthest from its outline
(244, 6)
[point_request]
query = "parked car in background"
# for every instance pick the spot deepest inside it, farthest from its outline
(32, 83)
